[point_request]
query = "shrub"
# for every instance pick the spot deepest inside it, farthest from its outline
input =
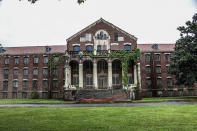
(34, 95)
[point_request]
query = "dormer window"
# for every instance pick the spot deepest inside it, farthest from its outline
(76, 48)
(89, 48)
(127, 47)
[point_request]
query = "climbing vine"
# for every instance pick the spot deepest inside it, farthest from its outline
(52, 63)
(125, 57)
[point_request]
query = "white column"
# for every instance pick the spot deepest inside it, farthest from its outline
(110, 74)
(95, 81)
(139, 75)
(135, 74)
(67, 76)
(80, 75)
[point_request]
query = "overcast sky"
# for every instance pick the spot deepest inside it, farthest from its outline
(51, 22)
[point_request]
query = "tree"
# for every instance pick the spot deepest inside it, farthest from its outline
(184, 58)
(34, 1)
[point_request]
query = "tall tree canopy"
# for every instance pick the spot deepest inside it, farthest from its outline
(184, 58)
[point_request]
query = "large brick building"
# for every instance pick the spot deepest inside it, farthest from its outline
(24, 69)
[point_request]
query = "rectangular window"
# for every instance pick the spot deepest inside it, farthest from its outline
(16, 60)
(15, 84)
(35, 71)
(45, 71)
(56, 59)
(44, 84)
(130, 79)
(44, 95)
(25, 71)
(54, 95)
(24, 95)
(159, 82)
(7, 60)
(167, 56)
(89, 80)
(5, 95)
(35, 84)
(55, 72)
(45, 60)
(15, 72)
(148, 82)
(170, 93)
(14, 95)
(5, 85)
(115, 79)
(148, 71)
(115, 36)
(25, 84)
(180, 92)
(168, 69)
(158, 69)
(55, 84)
(147, 57)
(191, 92)
(26, 60)
(6, 72)
(75, 79)
(157, 57)
(169, 81)
(35, 60)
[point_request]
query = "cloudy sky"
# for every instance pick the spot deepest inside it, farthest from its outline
(50, 22)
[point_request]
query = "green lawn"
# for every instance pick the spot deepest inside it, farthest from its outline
(152, 118)
(160, 99)
(20, 101)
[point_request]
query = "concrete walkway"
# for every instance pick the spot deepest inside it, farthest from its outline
(100, 105)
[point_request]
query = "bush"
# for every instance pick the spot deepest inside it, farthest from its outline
(34, 95)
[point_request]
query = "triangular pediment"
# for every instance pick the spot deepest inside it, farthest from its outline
(105, 22)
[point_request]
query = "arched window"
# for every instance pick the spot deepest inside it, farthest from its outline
(76, 48)
(127, 47)
(89, 48)
(99, 48)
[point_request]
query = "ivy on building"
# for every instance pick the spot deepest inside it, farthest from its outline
(125, 57)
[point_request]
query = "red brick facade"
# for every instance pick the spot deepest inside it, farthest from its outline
(155, 79)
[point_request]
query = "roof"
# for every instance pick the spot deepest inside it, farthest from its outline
(161, 47)
(34, 50)
(106, 22)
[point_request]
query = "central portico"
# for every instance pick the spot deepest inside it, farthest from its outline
(98, 72)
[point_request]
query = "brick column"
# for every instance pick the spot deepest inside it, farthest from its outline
(109, 74)
(95, 81)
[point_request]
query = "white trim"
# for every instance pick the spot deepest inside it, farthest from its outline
(168, 65)
(159, 77)
(147, 65)
(45, 79)
(147, 53)
(127, 43)
(34, 79)
(169, 77)
(16, 56)
(89, 44)
(114, 43)
(147, 77)
(158, 65)
(167, 53)
(157, 53)
(25, 79)
(15, 67)
(75, 44)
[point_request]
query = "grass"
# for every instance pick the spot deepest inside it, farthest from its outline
(163, 99)
(151, 118)
(33, 101)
